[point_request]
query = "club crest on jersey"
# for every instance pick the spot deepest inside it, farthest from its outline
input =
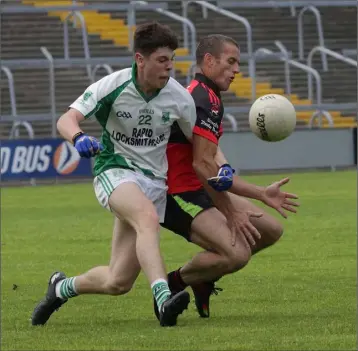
(87, 95)
(215, 111)
(165, 117)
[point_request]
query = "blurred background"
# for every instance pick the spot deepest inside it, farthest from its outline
(306, 50)
(298, 295)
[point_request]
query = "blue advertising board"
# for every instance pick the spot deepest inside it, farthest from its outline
(42, 158)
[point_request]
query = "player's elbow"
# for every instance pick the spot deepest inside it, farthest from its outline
(61, 122)
(197, 165)
(204, 152)
(64, 119)
(69, 122)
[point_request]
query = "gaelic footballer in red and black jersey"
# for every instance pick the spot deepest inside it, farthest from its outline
(209, 108)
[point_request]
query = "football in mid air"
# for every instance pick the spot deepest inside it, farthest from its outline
(272, 117)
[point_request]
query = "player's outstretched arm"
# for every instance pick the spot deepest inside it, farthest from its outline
(271, 195)
(204, 164)
(240, 186)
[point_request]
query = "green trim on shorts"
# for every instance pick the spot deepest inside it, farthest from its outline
(188, 207)
(111, 187)
(106, 183)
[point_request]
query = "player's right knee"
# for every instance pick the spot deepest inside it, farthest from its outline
(148, 220)
(117, 286)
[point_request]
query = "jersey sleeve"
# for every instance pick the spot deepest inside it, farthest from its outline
(208, 120)
(93, 98)
(187, 121)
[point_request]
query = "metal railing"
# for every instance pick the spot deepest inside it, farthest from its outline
(11, 87)
(15, 129)
(187, 24)
(283, 3)
(76, 15)
(349, 52)
(24, 120)
(52, 90)
(283, 56)
(235, 17)
(52, 64)
(233, 122)
(105, 66)
(14, 132)
(263, 54)
(260, 54)
(76, 7)
(346, 106)
(317, 15)
(331, 53)
(105, 62)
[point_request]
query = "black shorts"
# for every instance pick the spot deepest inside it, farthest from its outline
(181, 209)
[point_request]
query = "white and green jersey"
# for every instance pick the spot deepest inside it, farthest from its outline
(136, 128)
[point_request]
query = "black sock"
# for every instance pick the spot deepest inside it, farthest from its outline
(175, 281)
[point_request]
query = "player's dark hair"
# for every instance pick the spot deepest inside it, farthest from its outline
(212, 44)
(151, 36)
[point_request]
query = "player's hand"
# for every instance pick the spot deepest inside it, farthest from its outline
(240, 224)
(223, 180)
(87, 146)
(279, 200)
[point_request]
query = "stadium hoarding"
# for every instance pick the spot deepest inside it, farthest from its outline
(42, 158)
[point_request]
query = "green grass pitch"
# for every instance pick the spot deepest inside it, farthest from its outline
(297, 295)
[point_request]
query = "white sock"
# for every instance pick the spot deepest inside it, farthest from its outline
(161, 291)
(65, 288)
(160, 280)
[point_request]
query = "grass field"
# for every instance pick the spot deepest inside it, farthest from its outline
(298, 295)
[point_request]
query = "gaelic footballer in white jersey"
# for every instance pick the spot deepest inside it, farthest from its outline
(136, 129)
(130, 170)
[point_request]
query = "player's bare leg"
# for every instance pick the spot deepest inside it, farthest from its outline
(129, 202)
(119, 277)
(135, 235)
(209, 231)
(115, 279)
(141, 214)
(270, 228)
(222, 257)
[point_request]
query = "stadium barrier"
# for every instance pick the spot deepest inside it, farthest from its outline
(304, 149)
(355, 146)
(57, 159)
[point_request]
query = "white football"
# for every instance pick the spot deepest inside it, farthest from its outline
(272, 117)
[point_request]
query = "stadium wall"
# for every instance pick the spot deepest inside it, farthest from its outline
(53, 160)
(304, 149)
(355, 145)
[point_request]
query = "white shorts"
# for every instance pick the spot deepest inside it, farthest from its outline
(154, 189)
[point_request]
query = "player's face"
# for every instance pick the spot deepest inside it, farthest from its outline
(226, 66)
(156, 67)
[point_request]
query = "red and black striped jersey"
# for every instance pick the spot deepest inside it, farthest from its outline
(209, 110)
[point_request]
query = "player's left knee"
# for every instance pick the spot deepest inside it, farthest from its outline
(275, 232)
(238, 260)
